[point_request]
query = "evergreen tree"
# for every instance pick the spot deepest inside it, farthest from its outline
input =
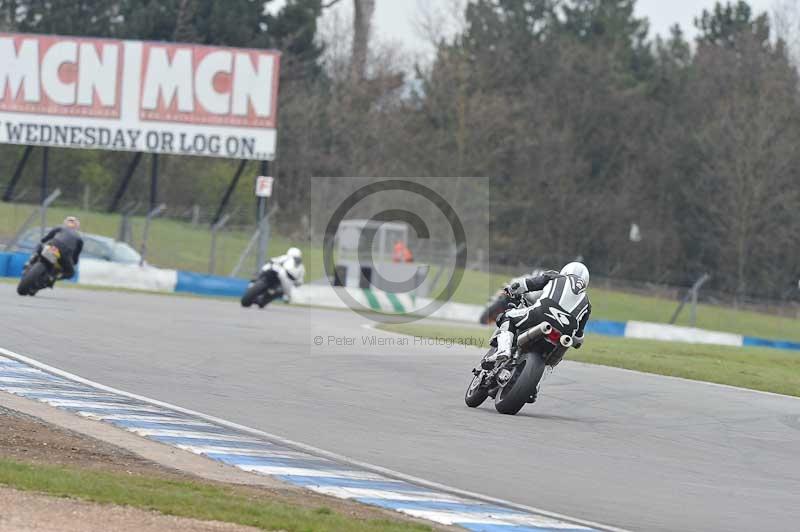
(611, 25)
(728, 22)
(93, 18)
(8, 15)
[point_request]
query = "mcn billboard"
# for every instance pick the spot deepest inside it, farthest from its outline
(183, 99)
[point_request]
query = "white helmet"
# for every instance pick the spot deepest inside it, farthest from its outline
(295, 253)
(578, 269)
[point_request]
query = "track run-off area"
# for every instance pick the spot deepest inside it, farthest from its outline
(635, 451)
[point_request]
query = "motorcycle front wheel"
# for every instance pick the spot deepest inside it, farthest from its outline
(252, 292)
(521, 389)
(30, 282)
(476, 392)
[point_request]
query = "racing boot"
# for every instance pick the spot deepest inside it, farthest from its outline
(504, 341)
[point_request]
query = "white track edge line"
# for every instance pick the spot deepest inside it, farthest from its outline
(313, 450)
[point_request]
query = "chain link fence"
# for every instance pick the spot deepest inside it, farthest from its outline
(789, 306)
(182, 237)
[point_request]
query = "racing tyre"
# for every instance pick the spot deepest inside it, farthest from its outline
(521, 389)
(476, 394)
(252, 293)
(29, 284)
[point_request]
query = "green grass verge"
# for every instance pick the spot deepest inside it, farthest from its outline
(188, 499)
(619, 306)
(769, 370)
(623, 307)
(176, 244)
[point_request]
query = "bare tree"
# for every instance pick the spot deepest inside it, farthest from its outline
(184, 25)
(434, 22)
(786, 23)
(744, 202)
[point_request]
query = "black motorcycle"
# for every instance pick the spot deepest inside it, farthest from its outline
(263, 289)
(514, 382)
(41, 271)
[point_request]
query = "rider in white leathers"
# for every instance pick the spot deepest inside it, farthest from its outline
(290, 270)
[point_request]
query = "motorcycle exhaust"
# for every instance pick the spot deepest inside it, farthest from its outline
(566, 340)
(534, 333)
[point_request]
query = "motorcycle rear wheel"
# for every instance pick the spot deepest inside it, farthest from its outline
(521, 389)
(31, 280)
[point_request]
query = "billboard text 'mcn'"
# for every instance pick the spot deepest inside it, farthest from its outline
(209, 85)
(51, 75)
(176, 83)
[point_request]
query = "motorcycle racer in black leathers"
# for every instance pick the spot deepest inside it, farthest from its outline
(68, 240)
(566, 288)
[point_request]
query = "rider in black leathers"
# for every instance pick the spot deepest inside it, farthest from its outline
(567, 289)
(68, 240)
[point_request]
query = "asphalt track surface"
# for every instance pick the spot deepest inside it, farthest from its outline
(626, 449)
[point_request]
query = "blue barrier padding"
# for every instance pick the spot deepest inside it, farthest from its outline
(4, 258)
(606, 328)
(750, 341)
(210, 285)
(14, 264)
(11, 265)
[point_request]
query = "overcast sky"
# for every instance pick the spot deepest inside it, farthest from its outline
(398, 20)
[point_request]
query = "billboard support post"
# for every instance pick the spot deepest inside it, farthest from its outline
(17, 173)
(123, 183)
(229, 191)
(263, 222)
(153, 181)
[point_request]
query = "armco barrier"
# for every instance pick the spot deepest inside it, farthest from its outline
(4, 258)
(131, 276)
(15, 264)
(606, 328)
(209, 285)
(749, 341)
(324, 295)
(11, 264)
(675, 333)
